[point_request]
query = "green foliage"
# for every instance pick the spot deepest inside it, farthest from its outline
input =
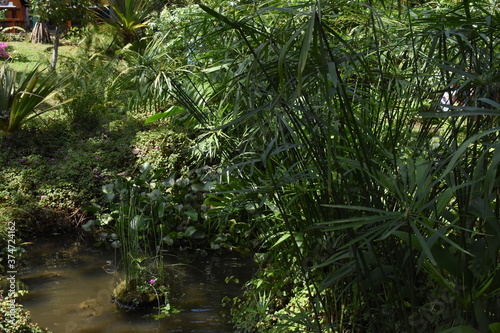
(96, 39)
(129, 18)
(327, 149)
(20, 322)
(175, 21)
(90, 100)
(60, 11)
(273, 299)
(14, 37)
(19, 99)
(163, 148)
(334, 136)
(149, 213)
(12, 34)
(53, 171)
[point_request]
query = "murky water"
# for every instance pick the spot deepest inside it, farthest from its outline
(71, 282)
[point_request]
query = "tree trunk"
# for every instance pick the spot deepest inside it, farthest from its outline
(40, 33)
(55, 52)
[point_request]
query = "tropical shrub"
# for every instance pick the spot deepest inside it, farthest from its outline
(90, 101)
(377, 198)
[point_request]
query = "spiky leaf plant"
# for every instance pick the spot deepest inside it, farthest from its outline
(19, 99)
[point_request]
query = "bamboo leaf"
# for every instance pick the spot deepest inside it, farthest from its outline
(423, 244)
(174, 110)
(304, 52)
(220, 17)
(495, 327)
(284, 237)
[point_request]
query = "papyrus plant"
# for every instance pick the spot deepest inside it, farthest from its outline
(378, 202)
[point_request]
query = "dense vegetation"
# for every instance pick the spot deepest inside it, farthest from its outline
(309, 133)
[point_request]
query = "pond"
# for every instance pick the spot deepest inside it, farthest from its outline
(71, 283)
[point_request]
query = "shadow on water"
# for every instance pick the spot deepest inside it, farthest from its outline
(71, 283)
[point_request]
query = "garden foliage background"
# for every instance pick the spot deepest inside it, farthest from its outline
(309, 133)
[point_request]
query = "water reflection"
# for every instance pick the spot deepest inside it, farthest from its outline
(70, 291)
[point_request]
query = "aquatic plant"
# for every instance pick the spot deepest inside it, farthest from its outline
(137, 210)
(146, 214)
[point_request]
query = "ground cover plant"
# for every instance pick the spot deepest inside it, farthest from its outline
(20, 322)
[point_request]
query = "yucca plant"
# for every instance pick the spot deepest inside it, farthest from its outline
(19, 99)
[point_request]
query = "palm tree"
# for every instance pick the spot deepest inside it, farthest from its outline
(128, 17)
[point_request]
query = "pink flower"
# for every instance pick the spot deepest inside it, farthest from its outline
(152, 281)
(3, 52)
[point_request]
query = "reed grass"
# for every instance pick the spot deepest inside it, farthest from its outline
(335, 134)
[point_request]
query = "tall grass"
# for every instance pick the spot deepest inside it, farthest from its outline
(380, 204)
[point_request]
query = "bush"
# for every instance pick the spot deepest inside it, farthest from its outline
(49, 174)
(19, 321)
(90, 99)
(163, 147)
